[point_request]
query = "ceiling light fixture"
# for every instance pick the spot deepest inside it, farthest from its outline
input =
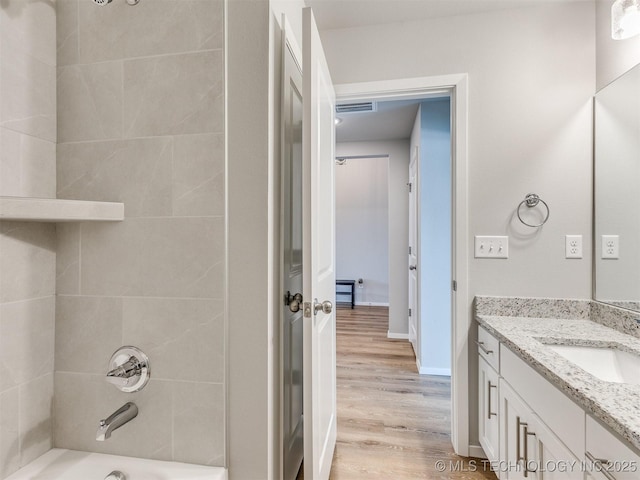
(625, 19)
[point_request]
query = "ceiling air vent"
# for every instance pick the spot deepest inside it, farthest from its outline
(360, 107)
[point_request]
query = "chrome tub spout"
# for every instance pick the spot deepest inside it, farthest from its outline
(123, 415)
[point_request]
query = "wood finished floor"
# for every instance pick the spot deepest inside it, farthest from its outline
(393, 424)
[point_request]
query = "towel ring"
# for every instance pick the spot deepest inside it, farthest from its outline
(532, 200)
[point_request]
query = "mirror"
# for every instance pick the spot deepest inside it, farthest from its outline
(617, 192)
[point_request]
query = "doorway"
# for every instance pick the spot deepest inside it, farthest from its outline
(455, 86)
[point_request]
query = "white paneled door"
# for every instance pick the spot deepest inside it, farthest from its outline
(414, 280)
(318, 256)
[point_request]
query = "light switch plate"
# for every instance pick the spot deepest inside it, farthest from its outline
(611, 247)
(491, 247)
(573, 246)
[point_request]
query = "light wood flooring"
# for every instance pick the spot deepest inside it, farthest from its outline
(393, 424)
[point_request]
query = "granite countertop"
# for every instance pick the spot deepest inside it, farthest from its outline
(614, 404)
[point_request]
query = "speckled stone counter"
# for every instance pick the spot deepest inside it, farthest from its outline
(614, 404)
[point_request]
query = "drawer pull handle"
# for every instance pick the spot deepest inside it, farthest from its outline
(489, 412)
(602, 463)
(483, 348)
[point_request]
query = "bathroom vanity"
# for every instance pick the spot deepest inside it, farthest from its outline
(549, 405)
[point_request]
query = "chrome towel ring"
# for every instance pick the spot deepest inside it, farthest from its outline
(532, 200)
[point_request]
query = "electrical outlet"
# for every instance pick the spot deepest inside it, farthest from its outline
(611, 247)
(491, 247)
(573, 246)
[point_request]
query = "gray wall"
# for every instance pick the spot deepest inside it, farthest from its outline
(531, 79)
(362, 228)
(398, 175)
(141, 121)
(27, 250)
(435, 237)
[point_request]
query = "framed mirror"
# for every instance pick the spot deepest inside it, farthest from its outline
(617, 192)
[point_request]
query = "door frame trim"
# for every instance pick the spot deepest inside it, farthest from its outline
(457, 86)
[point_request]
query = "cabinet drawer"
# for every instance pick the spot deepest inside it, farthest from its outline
(565, 418)
(489, 348)
(624, 463)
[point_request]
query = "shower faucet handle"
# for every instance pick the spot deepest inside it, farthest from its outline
(128, 369)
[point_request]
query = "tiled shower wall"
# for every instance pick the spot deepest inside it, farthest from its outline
(27, 250)
(140, 121)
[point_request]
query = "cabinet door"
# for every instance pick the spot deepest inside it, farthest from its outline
(618, 461)
(488, 414)
(514, 417)
(550, 458)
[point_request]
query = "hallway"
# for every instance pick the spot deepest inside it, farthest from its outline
(392, 423)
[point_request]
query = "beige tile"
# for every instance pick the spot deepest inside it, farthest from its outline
(27, 94)
(29, 27)
(68, 259)
(28, 260)
(27, 165)
(67, 32)
(81, 400)
(198, 175)
(90, 102)
(27, 331)
(9, 434)
(184, 338)
(174, 94)
(36, 418)
(10, 168)
(161, 257)
(88, 331)
(135, 172)
(151, 28)
(198, 423)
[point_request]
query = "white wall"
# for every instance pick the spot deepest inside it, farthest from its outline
(362, 228)
(398, 176)
(531, 79)
(435, 237)
(613, 57)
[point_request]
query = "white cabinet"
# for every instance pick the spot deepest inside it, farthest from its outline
(529, 449)
(515, 416)
(488, 401)
(607, 457)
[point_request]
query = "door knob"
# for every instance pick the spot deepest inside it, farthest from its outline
(412, 267)
(325, 307)
(293, 301)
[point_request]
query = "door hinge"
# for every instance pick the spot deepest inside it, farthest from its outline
(454, 286)
(409, 249)
(410, 185)
(409, 312)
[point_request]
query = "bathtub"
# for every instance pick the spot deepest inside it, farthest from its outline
(58, 464)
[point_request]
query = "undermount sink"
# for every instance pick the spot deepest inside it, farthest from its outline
(606, 363)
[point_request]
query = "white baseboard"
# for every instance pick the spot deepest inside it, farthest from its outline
(476, 451)
(398, 336)
(372, 304)
(442, 372)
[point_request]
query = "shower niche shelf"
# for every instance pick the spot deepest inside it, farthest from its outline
(27, 209)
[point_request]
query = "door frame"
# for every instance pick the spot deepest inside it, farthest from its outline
(457, 86)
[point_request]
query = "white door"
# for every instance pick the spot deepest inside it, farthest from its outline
(292, 320)
(318, 256)
(413, 250)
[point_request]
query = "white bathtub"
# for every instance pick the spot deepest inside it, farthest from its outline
(60, 464)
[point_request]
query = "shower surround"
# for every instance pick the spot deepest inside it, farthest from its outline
(140, 120)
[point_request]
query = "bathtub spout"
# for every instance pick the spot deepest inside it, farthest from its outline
(123, 415)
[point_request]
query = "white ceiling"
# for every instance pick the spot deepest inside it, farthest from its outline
(332, 14)
(393, 120)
